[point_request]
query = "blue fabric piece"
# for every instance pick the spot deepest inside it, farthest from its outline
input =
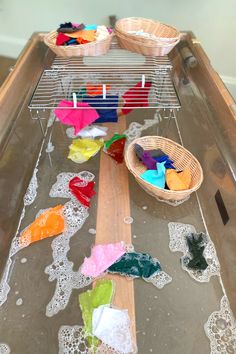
(72, 41)
(156, 177)
(167, 161)
(90, 27)
(106, 114)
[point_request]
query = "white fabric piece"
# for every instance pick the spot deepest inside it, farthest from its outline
(91, 131)
(112, 327)
(102, 32)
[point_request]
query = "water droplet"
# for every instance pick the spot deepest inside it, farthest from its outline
(149, 309)
(134, 236)
(168, 314)
(147, 319)
(92, 231)
(155, 297)
(150, 350)
(144, 333)
(144, 207)
(23, 315)
(144, 221)
(128, 220)
(19, 301)
(23, 260)
(17, 292)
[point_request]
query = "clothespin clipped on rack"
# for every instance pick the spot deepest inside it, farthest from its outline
(74, 100)
(104, 91)
(143, 81)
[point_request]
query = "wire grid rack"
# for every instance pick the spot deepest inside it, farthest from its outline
(117, 72)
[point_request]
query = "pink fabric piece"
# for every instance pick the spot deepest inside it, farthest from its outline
(78, 118)
(102, 257)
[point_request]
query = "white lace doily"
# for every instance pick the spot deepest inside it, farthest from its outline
(4, 348)
(61, 268)
(178, 233)
(221, 329)
(31, 192)
(159, 280)
(74, 340)
(135, 129)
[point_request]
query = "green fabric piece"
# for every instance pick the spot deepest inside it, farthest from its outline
(136, 264)
(101, 295)
(115, 137)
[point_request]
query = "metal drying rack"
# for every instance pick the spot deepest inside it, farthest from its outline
(119, 68)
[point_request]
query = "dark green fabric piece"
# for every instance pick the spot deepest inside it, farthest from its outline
(136, 264)
(196, 244)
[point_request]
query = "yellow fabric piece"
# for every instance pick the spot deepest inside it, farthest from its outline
(178, 181)
(48, 224)
(82, 149)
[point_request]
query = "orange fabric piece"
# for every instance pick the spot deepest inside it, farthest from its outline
(88, 35)
(96, 90)
(48, 224)
(178, 181)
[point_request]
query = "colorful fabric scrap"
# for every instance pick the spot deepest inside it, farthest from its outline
(102, 257)
(79, 118)
(49, 223)
(82, 150)
(82, 190)
(136, 96)
(136, 265)
(178, 181)
(156, 177)
(100, 295)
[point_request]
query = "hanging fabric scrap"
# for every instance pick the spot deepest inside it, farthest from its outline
(78, 118)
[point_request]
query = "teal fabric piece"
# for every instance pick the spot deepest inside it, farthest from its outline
(90, 27)
(156, 177)
(136, 265)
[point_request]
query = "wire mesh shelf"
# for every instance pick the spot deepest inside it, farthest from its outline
(117, 71)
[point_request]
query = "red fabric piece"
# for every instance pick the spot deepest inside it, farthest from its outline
(82, 190)
(116, 150)
(136, 96)
(61, 39)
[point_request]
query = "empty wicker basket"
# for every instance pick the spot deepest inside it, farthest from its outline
(161, 32)
(90, 49)
(182, 159)
(144, 49)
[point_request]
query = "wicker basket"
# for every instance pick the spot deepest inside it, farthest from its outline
(163, 33)
(142, 48)
(90, 49)
(182, 159)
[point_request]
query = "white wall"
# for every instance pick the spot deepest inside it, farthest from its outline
(212, 21)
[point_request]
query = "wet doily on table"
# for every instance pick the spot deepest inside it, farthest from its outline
(31, 192)
(61, 268)
(4, 348)
(178, 233)
(221, 329)
(74, 340)
(135, 129)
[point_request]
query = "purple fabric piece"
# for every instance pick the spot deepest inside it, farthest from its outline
(148, 161)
